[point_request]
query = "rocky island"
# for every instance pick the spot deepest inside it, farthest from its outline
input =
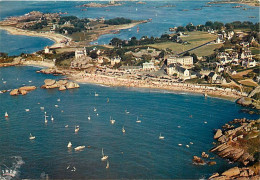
(99, 5)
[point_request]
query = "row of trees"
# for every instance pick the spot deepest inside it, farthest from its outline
(143, 41)
(118, 21)
(219, 26)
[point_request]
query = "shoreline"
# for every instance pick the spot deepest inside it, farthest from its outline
(244, 3)
(130, 83)
(58, 39)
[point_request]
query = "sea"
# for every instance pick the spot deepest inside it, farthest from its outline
(165, 14)
(187, 121)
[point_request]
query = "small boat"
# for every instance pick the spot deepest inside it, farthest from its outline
(191, 142)
(45, 118)
(69, 145)
(180, 144)
(123, 129)
(6, 114)
(4, 82)
(138, 121)
(29, 81)
(161, 137)
(31, 137)
(205, 122)
(58, 100)
(127, 112)
(112, 121)
(97, 114)
(107, 100)
(66, 126)
(27, 110)
(52, 119)
(56, 105)
(76, 129)
(107, 165)
(89, 118)
(79, 148)
(187, 146)
(42, 108)
(95, 109)
(103, 156)
(179, 126)
(96, 94)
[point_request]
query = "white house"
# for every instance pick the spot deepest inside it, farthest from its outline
(181, 72)
(148, 66)
(47, 50)
(185, 60)
(79, 53)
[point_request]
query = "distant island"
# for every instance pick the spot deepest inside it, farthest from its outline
(247, 2)
(99, 5)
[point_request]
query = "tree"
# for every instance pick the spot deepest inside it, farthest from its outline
(93, 54)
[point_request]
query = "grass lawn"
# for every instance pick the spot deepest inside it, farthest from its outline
(195, 39)
(248, 82)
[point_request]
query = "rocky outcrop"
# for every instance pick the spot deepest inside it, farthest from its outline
(61, 84)
(245, 101)
(255, 91)
(236, 173)
(218, 134)
(22, 90)
(198, 161)
(234, 145)
(231, 172)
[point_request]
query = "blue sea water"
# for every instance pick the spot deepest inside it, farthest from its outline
(162, 17)
(136, 154)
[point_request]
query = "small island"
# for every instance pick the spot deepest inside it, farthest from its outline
(246, 2)
(100, 5)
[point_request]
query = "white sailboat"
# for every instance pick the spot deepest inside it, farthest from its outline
(52, 119)
(89, 118)
(103, 156)
(45, 118)
(31, 137)
(138, 121)
(6, 114)
(27, 110)
(127, 112)
(69, 145)
(58, 100)
(96, 94)
(95, 109)
(112, 121)
(107, 165)
(76, 129)
(123, 129)
(79, 148)
(161, 137)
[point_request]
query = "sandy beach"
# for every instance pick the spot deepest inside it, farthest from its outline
(181, 87)
(60, 40)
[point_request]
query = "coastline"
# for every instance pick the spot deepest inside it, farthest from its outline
(244, 3)
(175, 87)
(58, 39)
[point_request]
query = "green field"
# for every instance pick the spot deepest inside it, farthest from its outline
(195, 39)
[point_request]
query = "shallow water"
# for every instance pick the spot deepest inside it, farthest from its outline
(136, 154)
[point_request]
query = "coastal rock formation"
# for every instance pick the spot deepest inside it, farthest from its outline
(236, 173)
(22, 90)
(244, 101)
(198, 161)
(61, 84)
(218, 134)
(14, 92)
(239, 142)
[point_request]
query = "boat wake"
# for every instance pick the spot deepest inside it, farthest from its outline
(10, 167)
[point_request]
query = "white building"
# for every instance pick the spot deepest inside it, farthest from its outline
(185, 60)
(47, 50)
(181, 72)
(79, 53)
(148, 66)
(115, 60)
